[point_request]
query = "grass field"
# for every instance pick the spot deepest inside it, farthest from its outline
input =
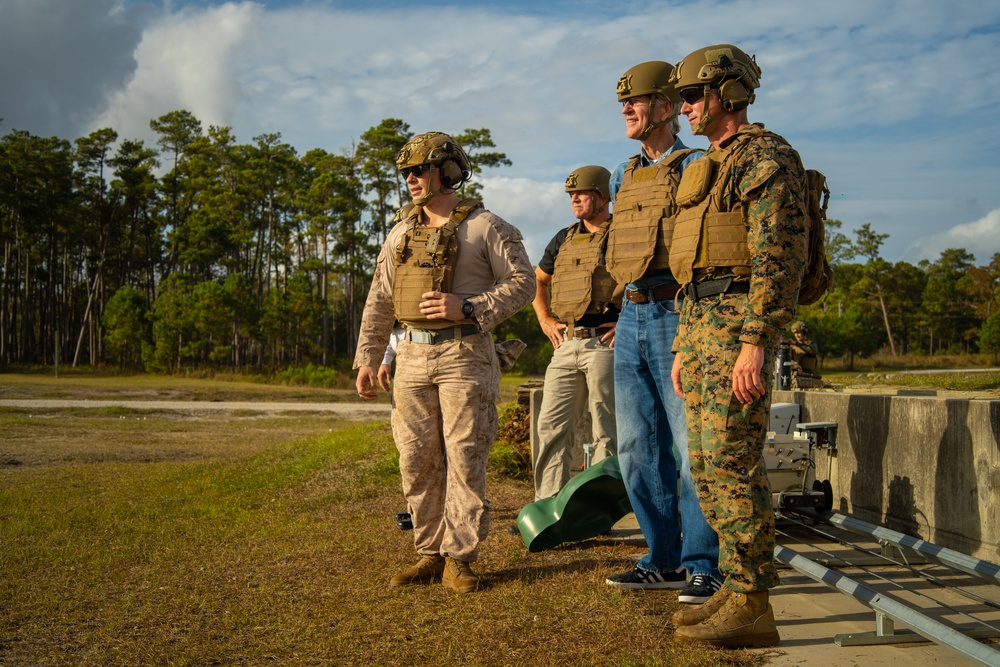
(145, 538)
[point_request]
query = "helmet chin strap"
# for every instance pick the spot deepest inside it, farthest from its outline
(594, 211)
(652, 127)
(706, 118)
(426, 197)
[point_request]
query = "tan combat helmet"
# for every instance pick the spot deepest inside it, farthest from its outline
(441, 152)
(649, 78)
(800, 327)
(591, 177)
(723, 67)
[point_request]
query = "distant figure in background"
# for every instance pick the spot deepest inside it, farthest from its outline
(804, 358)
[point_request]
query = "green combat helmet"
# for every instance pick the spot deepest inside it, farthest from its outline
(649, 78)
(441, 152)
(591, 177)
(723, 67)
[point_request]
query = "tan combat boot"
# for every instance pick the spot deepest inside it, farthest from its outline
(695, 614)
(459, 576)
(428, 568)
(744, 620)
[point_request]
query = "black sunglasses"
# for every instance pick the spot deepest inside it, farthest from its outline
(692, 95)
(417, 170)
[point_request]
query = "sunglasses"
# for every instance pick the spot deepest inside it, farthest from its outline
(636, 101)
(417, 170)
(692, 95)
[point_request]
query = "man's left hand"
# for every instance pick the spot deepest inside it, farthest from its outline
(441, 306)
(608, 338)
(747, 382)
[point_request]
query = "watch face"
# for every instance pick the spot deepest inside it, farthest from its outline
(467, 308)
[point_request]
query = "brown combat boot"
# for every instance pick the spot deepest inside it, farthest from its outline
(695, 614)
(744, 620)
(459, 576)
(428, 568)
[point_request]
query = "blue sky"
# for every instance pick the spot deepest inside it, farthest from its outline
(894, 100)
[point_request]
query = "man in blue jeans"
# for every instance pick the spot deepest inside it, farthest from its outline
(652, 434)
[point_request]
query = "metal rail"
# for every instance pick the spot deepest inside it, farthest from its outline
(980, 568)
(889, 611)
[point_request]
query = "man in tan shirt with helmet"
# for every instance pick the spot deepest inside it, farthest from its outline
(449, 271)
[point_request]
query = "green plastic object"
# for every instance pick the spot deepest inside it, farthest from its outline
(590, 504)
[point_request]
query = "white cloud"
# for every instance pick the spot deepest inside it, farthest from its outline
(185, 62)
(537, 209)
(893, 99)
(980, 237)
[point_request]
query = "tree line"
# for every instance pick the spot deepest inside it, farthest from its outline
(948, 306)
(200, 252)
(197, 251)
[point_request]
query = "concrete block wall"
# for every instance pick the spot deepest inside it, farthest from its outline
(927, 466)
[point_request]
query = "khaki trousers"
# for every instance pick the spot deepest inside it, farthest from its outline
(444, 420)
(581, 376)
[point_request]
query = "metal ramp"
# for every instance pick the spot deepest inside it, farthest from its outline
(926, 619)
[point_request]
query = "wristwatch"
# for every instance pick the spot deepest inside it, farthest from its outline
(467, 309)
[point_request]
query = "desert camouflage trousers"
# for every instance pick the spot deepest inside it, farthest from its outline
(726, 441)
(444, 420)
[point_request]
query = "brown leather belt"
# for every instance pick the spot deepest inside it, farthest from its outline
(588, 332)
(661, 293)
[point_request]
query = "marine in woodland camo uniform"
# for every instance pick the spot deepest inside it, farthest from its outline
(444, 415)
(726, 438)
(731, 323)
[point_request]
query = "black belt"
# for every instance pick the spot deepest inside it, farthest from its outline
(707, 288)
(434, 336)
(661, 293)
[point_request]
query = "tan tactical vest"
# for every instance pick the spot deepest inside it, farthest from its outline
(581, 283)
(645, 207)
(425, 262)
(708, 240)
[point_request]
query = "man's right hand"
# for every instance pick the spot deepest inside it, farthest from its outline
(553, 330)
(365, 383)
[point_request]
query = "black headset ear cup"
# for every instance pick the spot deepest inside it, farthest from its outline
(733, 95)
(451, 174)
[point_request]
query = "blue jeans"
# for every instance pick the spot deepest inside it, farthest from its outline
(652, 436)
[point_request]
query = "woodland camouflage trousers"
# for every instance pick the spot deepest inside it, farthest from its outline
(726, 441)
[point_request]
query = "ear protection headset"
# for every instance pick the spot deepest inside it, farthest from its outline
(734, 96)
(452, 173)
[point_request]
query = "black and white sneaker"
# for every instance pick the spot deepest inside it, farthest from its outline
(699, 590)
(647, 579)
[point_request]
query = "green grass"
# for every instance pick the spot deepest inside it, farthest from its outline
(965, 381)
(151, 539)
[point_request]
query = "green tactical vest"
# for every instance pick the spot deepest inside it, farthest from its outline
(425, 262)
(581, 283)
(645, 207)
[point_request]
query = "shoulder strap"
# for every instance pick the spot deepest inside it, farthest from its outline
(675, 158)
(465, 208)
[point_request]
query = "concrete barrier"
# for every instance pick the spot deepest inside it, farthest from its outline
(924, 465)
(927, 466)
